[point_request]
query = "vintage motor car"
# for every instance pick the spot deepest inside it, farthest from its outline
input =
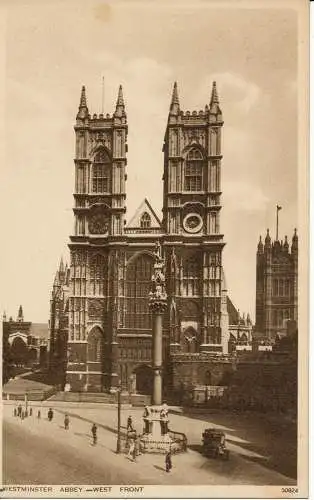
(214, 444)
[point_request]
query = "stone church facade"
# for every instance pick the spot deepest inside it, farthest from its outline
(111, 261)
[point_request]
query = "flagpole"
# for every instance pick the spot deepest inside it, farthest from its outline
(278, 208)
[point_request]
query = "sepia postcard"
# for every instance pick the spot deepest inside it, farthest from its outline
(154, 258)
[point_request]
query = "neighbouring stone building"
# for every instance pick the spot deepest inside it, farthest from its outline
(58, 325)
(26, 343)
(100, 325)
(276, 286)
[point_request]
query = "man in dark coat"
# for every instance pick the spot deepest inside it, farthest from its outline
(66, 422)
(94, 434)
(129, 425)
(50, 414)
(168, 462)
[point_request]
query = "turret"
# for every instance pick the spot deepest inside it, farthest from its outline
(175, 104)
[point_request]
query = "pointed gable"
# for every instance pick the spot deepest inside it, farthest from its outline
(145, 217)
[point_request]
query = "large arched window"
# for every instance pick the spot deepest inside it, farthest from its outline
(145, 220)
(101, 173)
(95, 345)
(193, 172)
(138, 286)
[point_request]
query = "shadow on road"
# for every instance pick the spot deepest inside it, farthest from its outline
(159, 468)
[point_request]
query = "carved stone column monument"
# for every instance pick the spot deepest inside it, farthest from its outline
(156, 436)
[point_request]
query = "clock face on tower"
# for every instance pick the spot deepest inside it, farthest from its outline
(192, 223)
(99, 222)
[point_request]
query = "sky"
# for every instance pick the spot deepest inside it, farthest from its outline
(53, 48)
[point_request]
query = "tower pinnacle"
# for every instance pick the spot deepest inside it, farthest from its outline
(214, 97)
(214, 101)
(61, 266)
(83, 109)
(175, 103)
(120, 106)
(294, 246)
(260, 246)
(267, 239)
(83, 103)
(20, 316)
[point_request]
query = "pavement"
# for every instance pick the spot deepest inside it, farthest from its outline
(56, 456)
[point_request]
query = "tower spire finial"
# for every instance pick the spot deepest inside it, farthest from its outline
(83, 102)
(61, 266)
(20, 316)
(83, 109)
(214, 97)
(175, 103)
(120, 106)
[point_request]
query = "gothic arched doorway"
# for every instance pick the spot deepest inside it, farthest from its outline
(191, 341)
(19, 351)
(144, 379)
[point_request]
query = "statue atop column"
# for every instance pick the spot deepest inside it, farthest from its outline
(158, 295)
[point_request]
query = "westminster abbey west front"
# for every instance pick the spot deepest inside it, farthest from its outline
(109, 325)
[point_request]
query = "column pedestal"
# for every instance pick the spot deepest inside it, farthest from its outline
(155, 437)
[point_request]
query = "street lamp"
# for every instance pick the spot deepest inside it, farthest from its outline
(119, 420)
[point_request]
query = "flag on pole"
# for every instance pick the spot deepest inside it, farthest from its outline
(279, 208)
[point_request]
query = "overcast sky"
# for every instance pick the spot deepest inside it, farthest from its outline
(52, 49)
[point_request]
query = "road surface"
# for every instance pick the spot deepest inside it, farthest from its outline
(40, 452)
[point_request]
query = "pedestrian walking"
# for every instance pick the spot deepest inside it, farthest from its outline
(15, 412)
(94, 434)
(131, 449)
(50, 414)
(66, 422)
(129, 425)
(31, 412)
(39, 414)
(138, 445)
(168, 461)
(19, 410)
(22, 415)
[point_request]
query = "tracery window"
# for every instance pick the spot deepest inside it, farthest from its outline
(192, 275)
(94, 345)
(138, 286)
(101, 173)
(97, 265)
(145, 220)
(193, 172)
